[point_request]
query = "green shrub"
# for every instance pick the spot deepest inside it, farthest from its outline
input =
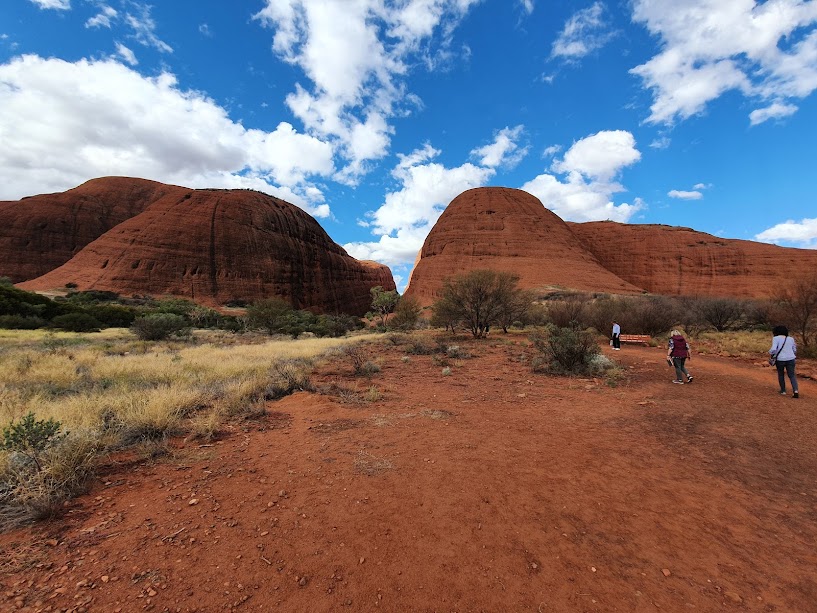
(21, 322)
(30, 436)
(112, 315)
(159, 326)
(77, 322)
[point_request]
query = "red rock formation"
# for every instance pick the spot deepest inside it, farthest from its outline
(508, 230)
(218, 246)
(680, 261)
(45, 231)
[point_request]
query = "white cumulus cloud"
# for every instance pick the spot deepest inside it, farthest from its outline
(407, 215)
(765, 50)
(803, 233)
(585, 193)
(357, 54)
(63, 123)
(600, 156)
(504, 151)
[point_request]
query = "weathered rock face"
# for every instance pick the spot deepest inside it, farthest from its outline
(219, 246)
(43, 232)
(508, 230)
(680, 261)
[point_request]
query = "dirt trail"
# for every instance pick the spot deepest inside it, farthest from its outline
(493, 489)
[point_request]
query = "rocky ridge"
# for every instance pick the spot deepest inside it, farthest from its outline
(217, 247)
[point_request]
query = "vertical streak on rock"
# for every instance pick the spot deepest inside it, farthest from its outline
(213, 268)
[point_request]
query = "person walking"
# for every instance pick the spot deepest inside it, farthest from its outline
(616, 336)
(678, 353)
(784, 355)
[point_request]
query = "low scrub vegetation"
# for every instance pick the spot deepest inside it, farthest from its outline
(67, 398)
(566, 351)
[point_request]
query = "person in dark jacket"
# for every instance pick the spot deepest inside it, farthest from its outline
(679, 353)
(784, 350)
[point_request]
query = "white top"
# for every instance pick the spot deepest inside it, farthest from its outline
(616, 329)
(789, 348)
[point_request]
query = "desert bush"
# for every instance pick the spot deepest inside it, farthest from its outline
(720, 313)
(269, 314)
(30, 437)
(456, 352)
(406, 314)
(14, 301)
(446, 371)
(22, 322)
(289, 376)
(565, 350)
(112, 315)
(335, 325)
(175, 306)
(63, 468)
(159, 326)
(798, 306)
(77, 322)
(653, 315)
(361, 364)
(569, 312)
(478, 299)
(420, 346)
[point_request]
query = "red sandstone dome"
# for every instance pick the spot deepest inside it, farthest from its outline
(218, 246)
(681, 261)
(42, 232)
(508, 230)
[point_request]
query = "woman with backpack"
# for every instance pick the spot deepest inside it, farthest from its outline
(678, 353)
(783, 355)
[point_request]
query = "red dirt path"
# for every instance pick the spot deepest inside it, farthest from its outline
(493, 489)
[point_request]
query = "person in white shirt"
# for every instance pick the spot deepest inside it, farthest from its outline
(616, 336)
(784, 350)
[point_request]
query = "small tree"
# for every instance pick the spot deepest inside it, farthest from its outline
(383, 302)
(515, 308)
(798, 304)
(720, 313)
(271, 314)
(30, 437)
(478, 298)
(406, 314)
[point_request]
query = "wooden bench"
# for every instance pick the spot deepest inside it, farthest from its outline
(643, 339)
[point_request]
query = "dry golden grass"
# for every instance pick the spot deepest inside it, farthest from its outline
(109, 391)
(91, 381)
(739, 344)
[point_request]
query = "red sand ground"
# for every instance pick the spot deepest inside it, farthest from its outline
(493, 489)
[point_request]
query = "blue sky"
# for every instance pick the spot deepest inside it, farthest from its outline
(373, 114)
